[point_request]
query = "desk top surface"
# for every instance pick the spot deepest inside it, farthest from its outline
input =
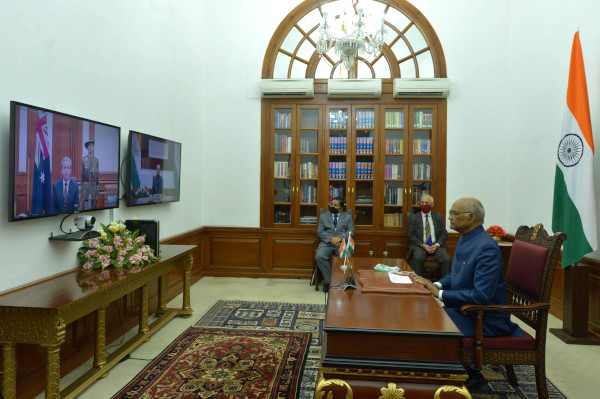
(402, 313)
(66, 288)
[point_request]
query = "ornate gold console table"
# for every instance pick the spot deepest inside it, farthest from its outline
(40, 313)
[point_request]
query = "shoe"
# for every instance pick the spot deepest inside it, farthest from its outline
(326, 287)
(475, 382)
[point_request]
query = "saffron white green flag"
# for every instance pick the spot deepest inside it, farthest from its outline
(574, 210)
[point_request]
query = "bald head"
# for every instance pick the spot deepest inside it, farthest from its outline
(466, 214)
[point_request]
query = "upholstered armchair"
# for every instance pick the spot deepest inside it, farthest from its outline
(529, 275)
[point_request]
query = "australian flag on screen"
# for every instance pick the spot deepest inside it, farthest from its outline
(42, 183)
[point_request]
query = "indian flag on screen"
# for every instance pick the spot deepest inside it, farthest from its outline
(574, 210)
(136, 159)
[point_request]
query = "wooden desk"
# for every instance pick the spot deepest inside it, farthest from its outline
(39, 315)
(372, 339)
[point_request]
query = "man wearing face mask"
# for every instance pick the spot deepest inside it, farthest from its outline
(333, 228)
(427, 237)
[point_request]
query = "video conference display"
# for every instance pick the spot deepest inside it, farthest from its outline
(60, 163)
(155, 170)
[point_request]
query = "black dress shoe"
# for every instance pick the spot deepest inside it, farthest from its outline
(326, 287)
(476, 382)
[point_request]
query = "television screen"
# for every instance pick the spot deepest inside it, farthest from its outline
(154, 169)
(60, 163)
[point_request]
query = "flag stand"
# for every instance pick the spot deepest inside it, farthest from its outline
(575, 307)
(348, 278)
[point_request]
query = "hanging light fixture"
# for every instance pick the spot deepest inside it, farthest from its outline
(352, 34)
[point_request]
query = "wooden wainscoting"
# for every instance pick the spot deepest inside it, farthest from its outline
(242, 252)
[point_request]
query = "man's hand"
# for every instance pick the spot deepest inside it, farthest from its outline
(336, 241)
(430, 249)
(429, 285)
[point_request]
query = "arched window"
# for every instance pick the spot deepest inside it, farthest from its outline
(411, 49)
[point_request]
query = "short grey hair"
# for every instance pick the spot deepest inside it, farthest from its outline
(476, 208)
(429, 195)
(67, 160)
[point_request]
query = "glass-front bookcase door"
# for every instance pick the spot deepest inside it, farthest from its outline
(393, 163)
(283, 141)
(421, 147)
(309, 165)
(337, 150)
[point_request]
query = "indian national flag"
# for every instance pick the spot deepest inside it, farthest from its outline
(574, 211)
(343, 248)
(350, 244)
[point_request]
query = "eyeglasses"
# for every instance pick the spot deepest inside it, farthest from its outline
(454, 213)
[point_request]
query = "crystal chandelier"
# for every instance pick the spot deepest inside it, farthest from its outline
(355, 34)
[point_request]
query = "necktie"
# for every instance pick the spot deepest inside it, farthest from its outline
(428, 231)
(335, 220)
(66, 192)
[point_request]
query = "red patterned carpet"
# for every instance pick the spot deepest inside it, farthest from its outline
(223, 363)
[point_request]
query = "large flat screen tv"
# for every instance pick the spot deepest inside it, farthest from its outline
(154, 170)
(60, 163)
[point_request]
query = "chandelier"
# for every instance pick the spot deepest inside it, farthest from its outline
(352, 34)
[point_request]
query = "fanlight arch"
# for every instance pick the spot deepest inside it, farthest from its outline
(411, 50)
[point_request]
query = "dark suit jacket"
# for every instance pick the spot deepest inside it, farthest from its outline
(58, 198)
(415, 231)
(326, 230)
(476, 278)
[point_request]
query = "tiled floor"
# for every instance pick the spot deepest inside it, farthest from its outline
(572, 368)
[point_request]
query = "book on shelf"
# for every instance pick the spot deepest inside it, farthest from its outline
(335, 191)
(422, 146)
(283, 119)
(337, 170)
(423, 119)
(392, 220)
(337, 145)
(365, 119)
(338, 120)
(394, 119)
(282, 169)
(393, 195)
(308, 220)
(309, 170)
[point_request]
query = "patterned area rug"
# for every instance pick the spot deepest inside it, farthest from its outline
(275, 316)
(271, 316)
(224, 363)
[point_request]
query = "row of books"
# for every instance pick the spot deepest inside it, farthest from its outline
(283, 143)
(393, 171)
(282, 169)
(282, 217)
(365, 119)
(394, 119)
(392, 220)
(421, 146)
(309, 170)
(308, 220)
(393, 195)
(337, 170)
(394, 146)
(305, 146)
(364, 145)
(421, 171)
(308, 194)
(338, 120)
(423, 119)
(283, 119)
(338, 145)
(336, 192)
(364, 170)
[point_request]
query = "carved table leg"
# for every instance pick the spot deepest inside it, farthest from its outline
(187, 268)
(144, 311)
(100, 349)
(52, 371)
(8, 382)
(162, 295)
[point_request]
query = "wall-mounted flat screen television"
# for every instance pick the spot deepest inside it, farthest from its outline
(154, 170)
(60, 163)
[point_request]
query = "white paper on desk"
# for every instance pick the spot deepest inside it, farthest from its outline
(394, 278)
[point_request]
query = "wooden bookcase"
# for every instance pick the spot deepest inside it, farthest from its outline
(379, 155)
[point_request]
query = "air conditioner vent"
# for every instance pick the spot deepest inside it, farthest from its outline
(287, 88)
(421, 87)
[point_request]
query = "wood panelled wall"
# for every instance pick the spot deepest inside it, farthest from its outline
(241, 252)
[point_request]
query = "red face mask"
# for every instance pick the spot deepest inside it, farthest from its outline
(425, 208)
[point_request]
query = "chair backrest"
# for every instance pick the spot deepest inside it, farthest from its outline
(530, 271)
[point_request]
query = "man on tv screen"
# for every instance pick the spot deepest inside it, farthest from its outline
(65, 192)
(90, 177)
(157, 182)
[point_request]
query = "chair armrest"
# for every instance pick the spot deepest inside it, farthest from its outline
(507, 308)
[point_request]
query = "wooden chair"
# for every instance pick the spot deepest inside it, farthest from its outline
(529, 277)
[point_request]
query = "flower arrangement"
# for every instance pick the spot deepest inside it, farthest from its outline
(496, 231)
(117, 247)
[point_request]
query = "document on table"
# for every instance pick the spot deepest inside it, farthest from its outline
(397, 279)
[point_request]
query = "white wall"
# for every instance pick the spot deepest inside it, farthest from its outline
(188, 70)
(133, 64)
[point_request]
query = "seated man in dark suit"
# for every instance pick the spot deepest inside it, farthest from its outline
(427, 236)
(334, 226)
(476, 278)
(65, 192)
(157, 182)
